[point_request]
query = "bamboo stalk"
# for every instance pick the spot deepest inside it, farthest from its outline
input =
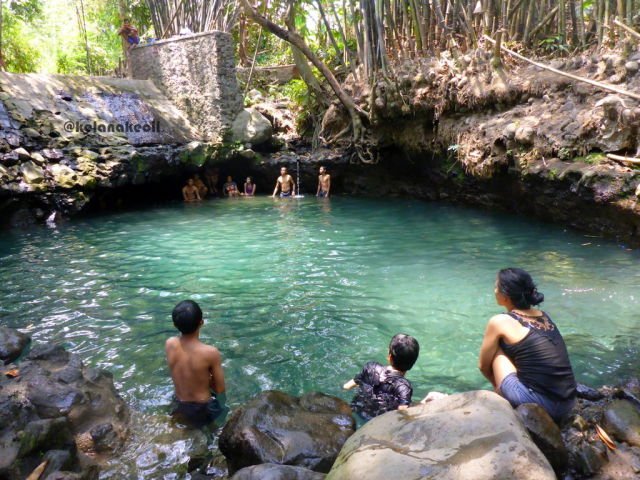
(619, 158)
(172, 19)
(604, 86)
(627, 29)
(544, 22)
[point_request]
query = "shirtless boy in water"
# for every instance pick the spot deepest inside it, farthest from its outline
(324, 183)
(196, 369)
(190, 192)
(285, 184)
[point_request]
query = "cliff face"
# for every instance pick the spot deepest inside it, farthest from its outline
(65, 139)
(520, 138)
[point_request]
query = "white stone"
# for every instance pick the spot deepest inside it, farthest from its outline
(471, 435)
(251, 126)
(63, 176)
(31, 173)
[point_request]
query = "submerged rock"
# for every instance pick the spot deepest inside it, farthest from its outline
(12, 343)
(275, 427)
(268, 471)
(468, 435)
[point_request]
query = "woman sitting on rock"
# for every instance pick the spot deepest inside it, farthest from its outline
(523, 354)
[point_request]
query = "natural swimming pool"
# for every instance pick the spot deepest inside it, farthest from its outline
(298, 294)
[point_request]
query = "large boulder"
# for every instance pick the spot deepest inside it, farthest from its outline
(250, 126)
(12, 343)
(275, 427)
(468, 435)
(32, 173)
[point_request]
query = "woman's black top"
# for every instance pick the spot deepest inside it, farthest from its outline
(541, 358)
(382, 389)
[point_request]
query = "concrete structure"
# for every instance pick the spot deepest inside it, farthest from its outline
(197, 73)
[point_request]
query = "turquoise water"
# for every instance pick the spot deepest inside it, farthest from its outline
(298, 294)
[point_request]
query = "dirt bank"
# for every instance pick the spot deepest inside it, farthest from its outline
(518, 138)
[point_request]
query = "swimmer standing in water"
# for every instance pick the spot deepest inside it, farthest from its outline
(285, 184)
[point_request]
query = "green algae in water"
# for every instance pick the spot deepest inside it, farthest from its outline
(299, 294)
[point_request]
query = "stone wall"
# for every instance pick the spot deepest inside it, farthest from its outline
(197, 73)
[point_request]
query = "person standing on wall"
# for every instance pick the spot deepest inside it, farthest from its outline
(129, 33)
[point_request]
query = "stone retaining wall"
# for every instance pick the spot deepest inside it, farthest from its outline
(197, 73)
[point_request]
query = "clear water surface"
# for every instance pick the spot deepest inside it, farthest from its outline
(298, 294)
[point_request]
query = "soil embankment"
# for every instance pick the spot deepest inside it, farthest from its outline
(519, 138)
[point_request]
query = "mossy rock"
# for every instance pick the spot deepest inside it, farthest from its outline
(195, 153)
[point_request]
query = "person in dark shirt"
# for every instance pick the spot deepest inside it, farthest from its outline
(385, 388)
(523, 353)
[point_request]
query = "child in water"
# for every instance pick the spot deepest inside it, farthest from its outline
(383, 389)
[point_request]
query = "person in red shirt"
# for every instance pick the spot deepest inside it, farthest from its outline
(130, 33)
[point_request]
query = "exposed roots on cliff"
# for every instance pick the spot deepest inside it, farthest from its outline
(495, 118)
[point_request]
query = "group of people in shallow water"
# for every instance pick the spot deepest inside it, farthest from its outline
(196, 189)
(522, 354)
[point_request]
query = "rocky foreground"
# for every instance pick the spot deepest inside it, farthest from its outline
(64, 421)
(60, 419)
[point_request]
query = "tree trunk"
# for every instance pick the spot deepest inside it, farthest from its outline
(562, 21)
(356, 113)
(313, 85)
(348, 54)
(243, 39)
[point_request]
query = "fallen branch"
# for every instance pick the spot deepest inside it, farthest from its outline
(544, 21)
(627, 29)
(604, 86)
(620, 158)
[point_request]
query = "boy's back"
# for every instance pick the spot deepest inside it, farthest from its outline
(194, 367)
(382, 389)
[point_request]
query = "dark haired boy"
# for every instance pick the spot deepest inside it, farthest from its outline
(196, 369)
(383, 389)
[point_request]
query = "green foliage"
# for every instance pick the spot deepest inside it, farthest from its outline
(306, 105)
(45, 36)
(593, 158)
(553, 45)
(25, 10)
(296, 91)
(20, 55)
